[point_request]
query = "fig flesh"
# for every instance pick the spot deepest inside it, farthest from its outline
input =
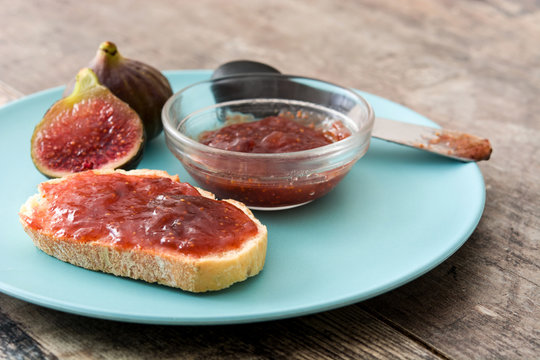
(140, 85)
(89, 129)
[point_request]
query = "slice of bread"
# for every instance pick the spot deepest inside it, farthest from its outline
(164, 266)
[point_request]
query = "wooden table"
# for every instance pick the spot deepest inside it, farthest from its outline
(469, 65)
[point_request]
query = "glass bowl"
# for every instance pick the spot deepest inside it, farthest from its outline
(266, 181)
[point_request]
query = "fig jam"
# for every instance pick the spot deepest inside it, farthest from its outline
(149, 212)
(274, 134)
(279, 194)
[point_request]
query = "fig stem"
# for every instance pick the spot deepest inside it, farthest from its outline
(109, 52)
(108, 47)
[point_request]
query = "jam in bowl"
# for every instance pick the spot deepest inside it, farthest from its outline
(270, 141)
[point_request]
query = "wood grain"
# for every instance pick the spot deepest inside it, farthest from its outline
(16, 343)
(311, 337)
(468, 65)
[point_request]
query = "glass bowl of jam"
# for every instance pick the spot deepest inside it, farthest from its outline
(271, 141)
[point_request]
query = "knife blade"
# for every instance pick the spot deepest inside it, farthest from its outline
(450, 143)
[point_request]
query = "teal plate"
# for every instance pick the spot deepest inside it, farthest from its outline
(399, 213)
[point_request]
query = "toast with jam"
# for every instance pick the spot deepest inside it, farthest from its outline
(147, 225)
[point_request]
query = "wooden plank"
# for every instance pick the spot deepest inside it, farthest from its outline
(15, 343)
(341, 334)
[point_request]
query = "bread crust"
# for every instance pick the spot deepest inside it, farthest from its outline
(194, 274)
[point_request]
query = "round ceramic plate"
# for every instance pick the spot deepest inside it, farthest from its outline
(397, 214)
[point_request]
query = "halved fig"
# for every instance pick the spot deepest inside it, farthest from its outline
(140, 85)
(89, 129)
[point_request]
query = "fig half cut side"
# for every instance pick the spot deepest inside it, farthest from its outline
(89, 129)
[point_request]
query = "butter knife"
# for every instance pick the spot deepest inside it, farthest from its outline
(454, 144)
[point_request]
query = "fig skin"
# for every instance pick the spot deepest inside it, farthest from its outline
(140, 85)
(83, 131)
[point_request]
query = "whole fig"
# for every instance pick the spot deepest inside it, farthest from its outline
(89, 129)
(140, 85)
